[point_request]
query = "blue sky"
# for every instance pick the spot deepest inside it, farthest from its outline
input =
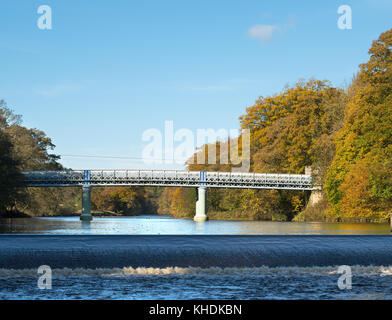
(109, 70)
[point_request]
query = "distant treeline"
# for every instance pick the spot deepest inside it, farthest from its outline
(344, 135)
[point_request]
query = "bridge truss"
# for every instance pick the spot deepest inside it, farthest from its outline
(167, 178)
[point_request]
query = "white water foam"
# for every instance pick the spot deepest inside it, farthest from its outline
(146, 271)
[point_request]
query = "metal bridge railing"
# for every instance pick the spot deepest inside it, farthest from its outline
(169, 178)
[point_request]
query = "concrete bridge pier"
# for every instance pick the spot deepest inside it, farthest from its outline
(201, 205)
(86, 203)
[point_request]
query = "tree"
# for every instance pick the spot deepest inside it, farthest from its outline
(24, 148)
(289, 131)
(359, 177)
(295, 129)
(29, 150)
(11, 179)
(289, 124)
(119, 200)
(179, 202)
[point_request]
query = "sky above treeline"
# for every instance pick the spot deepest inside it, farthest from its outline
(107, 71)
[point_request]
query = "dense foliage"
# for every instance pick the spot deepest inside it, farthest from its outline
(359, 181)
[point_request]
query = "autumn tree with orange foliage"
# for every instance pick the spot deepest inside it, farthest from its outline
(359, 182)
(287, 132)
(295, 129)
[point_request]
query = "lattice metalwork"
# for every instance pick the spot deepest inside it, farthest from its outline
(169, 178)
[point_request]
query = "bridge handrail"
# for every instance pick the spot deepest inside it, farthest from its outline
(169, 177)
(162, 174)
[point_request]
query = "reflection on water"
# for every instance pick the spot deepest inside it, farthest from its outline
(159, 224)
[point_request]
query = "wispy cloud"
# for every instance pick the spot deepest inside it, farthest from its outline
(263, 32)
(56, 90)
(266, 32)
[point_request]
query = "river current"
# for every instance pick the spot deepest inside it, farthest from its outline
(159, 257)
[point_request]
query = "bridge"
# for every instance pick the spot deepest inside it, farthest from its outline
(166, 178)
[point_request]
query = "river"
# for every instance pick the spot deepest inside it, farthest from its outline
(162, 224)
(160, 257)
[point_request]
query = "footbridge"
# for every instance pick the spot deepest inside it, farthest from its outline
(166, 178)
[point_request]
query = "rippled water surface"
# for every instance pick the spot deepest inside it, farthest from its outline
(200, 286)
(202, 265)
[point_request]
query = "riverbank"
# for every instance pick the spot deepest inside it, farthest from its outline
(17, 214)
(308, 215)
(76, 214)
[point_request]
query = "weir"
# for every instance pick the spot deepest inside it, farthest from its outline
(198, 251)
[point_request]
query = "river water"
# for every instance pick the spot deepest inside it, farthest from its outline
(160, 224)
(159, 257)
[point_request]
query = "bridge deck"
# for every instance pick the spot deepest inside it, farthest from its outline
(168, 178)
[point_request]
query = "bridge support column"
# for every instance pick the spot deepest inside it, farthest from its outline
(201, 205)
(86, 204)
